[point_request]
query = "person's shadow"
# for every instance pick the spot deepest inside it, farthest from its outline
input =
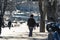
(34, 39)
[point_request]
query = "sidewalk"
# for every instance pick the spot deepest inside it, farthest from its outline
(24, 36)
(21, 33)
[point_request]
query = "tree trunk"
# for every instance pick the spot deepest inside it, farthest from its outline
(42, 21)
(3, 7)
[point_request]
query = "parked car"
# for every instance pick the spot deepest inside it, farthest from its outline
(15, 23)
(53, 25)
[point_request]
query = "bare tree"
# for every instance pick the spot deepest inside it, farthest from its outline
(42, 21)
(51, 10)
(10, 7)
(3, 6)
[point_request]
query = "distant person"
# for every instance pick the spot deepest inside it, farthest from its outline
(31, 24)
(9, 24)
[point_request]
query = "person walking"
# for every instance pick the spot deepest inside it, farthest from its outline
(9, 24)
(31, 24)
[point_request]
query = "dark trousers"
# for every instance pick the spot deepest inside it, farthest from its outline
(30, 31)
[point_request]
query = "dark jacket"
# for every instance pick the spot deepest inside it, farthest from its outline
(56, 36)
(31, 22)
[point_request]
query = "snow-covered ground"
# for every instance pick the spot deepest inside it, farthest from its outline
(17, 30)
(21, 33)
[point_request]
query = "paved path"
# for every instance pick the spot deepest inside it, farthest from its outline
(24, 36)
(21, 33)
